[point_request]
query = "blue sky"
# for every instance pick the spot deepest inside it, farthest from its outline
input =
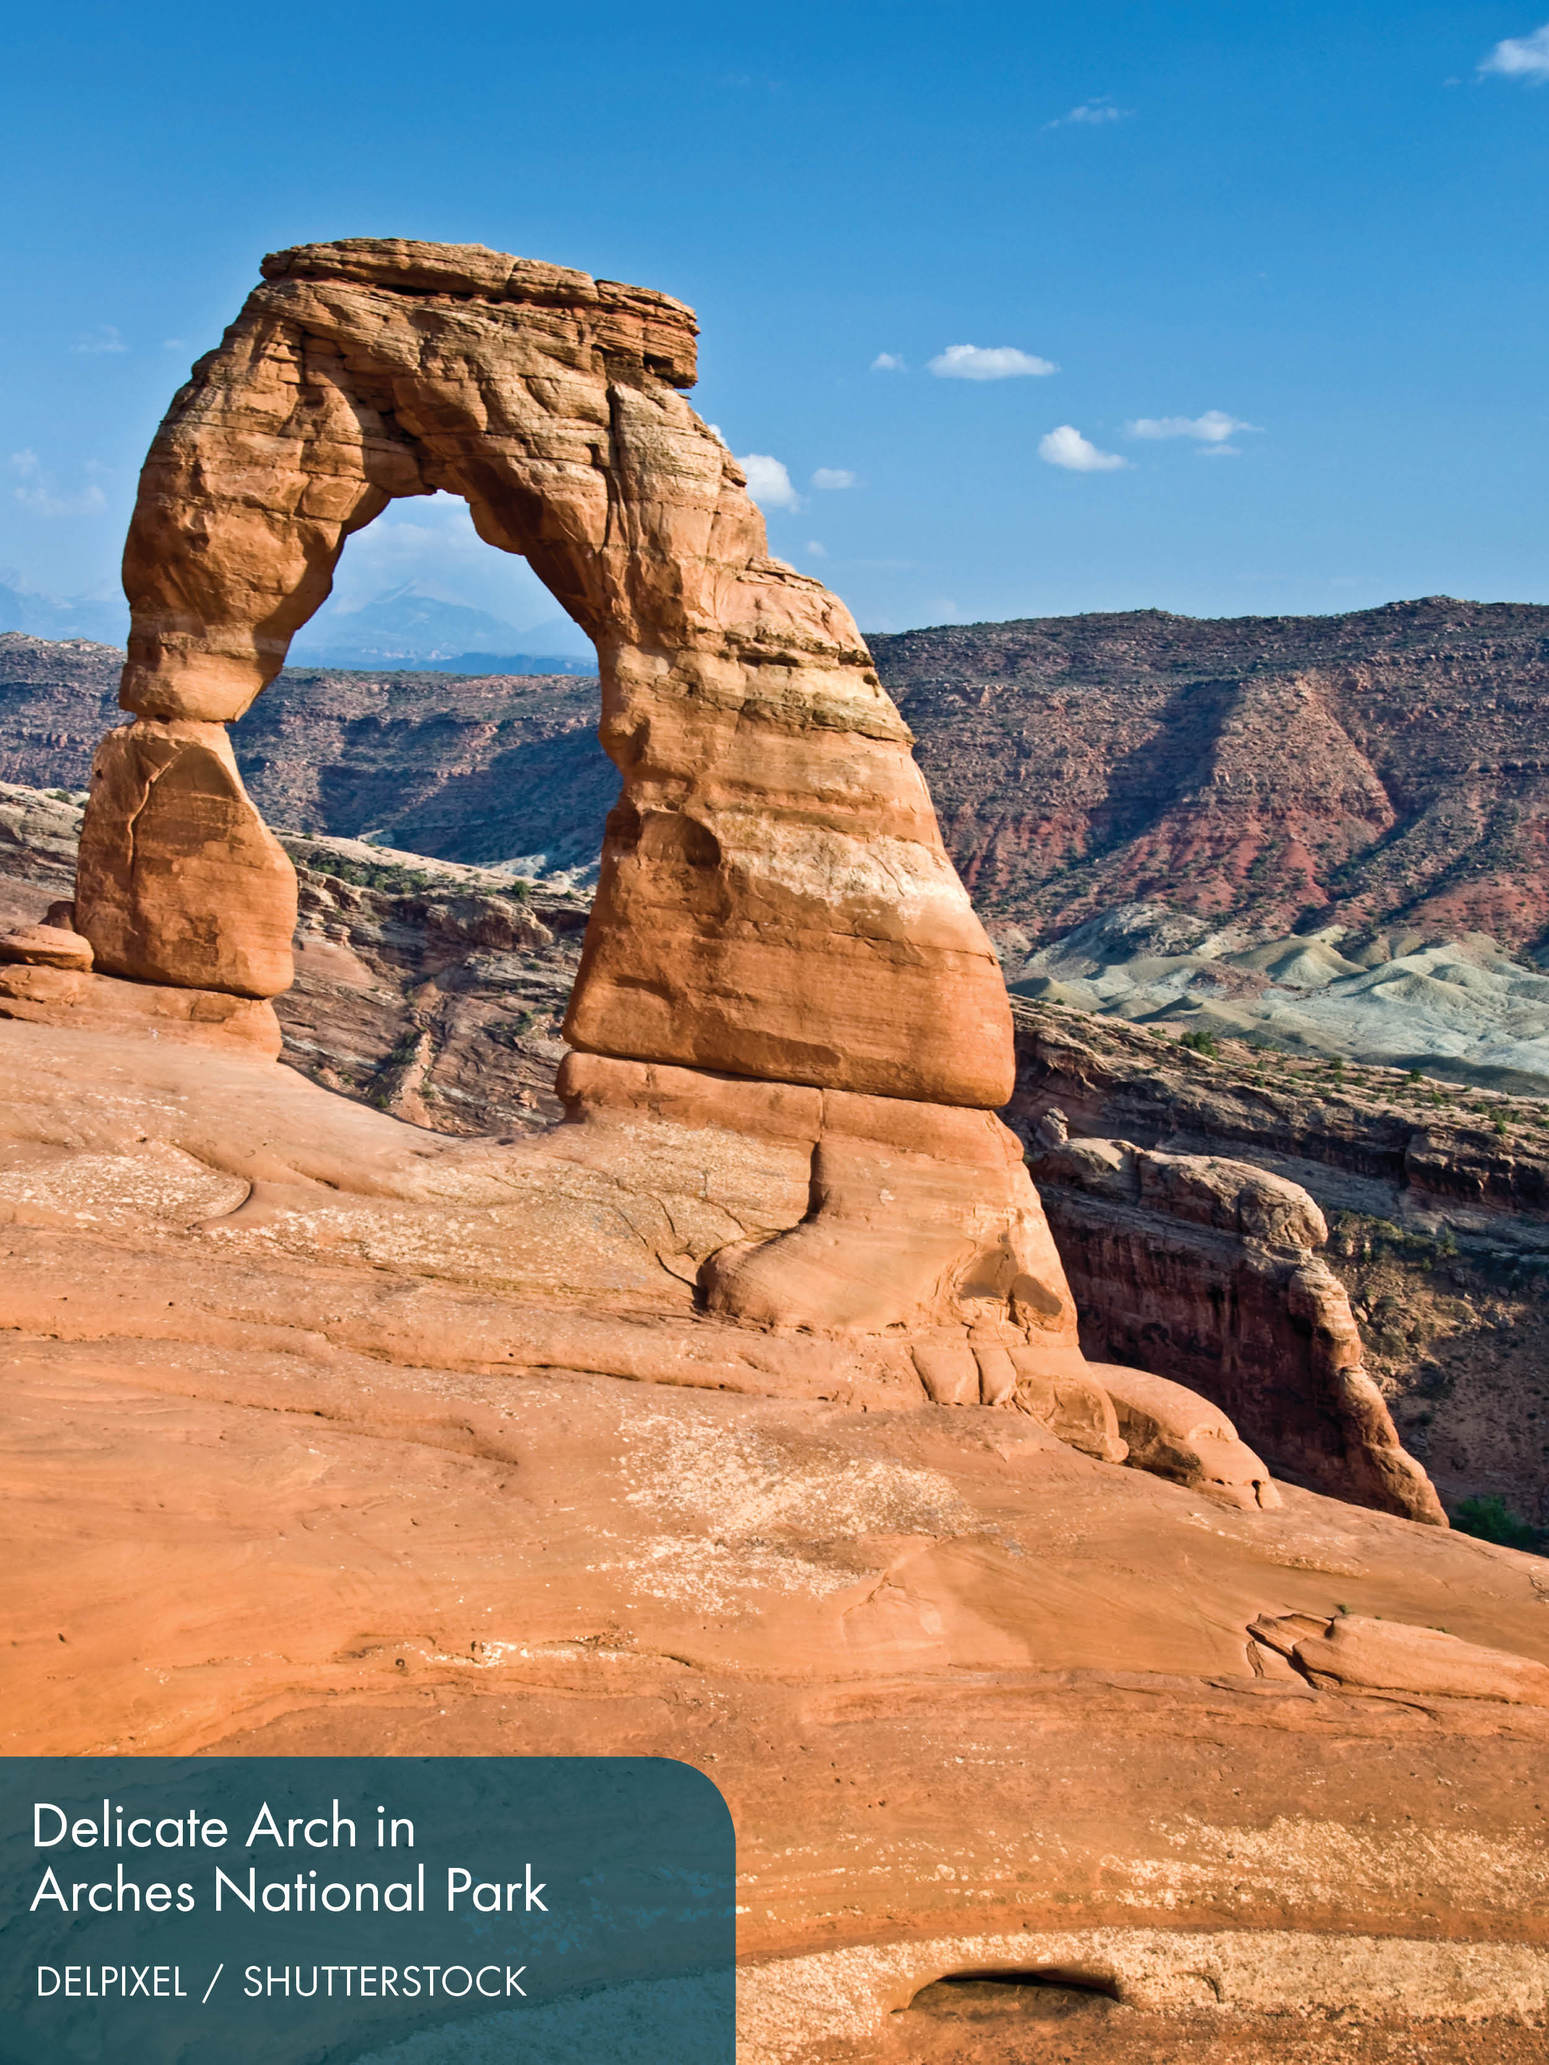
(1323, 222)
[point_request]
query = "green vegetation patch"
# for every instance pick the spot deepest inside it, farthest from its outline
(1488, 1518)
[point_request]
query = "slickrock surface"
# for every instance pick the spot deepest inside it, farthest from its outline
(330, 1435)
(436, 993)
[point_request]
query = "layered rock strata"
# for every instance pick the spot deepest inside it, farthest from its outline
(1208, 1270)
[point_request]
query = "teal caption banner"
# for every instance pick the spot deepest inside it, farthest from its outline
(364, 1911)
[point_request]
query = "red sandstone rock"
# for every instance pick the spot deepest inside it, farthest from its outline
(46, 946)
(775, 898)
(775, 901)
(76, 998)
(1175, 1433)
(179, 881)
(1072, 1402)
(1388, 1656)
(910, 1215)
(1206, 1267)
(1355, 1652)
(371, 1382)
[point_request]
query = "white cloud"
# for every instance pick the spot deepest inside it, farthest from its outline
(887, 362)
(38, 490)
(1521, 57)
(104, 338)
(429, 543)
(89, 502)
(995, 362)
(815, 550)
(1211, 429)
(1068, 448)
(1091, 114)
(768, 482)
(833, 477)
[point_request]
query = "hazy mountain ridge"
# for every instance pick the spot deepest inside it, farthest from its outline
(63, 617)
(405, 629)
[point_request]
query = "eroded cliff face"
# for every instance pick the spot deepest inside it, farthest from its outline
(1439, 1233)
(1208, 1271)
(1378, 768)
(1364, 768)
(467, 768)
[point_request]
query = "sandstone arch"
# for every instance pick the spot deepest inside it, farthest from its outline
(775, 900)
(787, 1017)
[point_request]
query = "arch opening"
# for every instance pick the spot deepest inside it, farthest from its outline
(362, 736)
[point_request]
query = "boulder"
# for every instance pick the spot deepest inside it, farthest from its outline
(46, 946)
(1175, 1433)
(1357, 1652)
(1360, 1654)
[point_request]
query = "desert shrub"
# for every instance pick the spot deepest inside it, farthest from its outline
(1199, 1043)
(1489, 1519)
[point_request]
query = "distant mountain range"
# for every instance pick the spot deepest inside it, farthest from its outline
(1260, 824)
(1258, 776)
(1263, 775)
(408, 630)
(402, 629)
(105, 621)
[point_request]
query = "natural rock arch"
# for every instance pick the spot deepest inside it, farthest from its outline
(784, 991)
(775, 900)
